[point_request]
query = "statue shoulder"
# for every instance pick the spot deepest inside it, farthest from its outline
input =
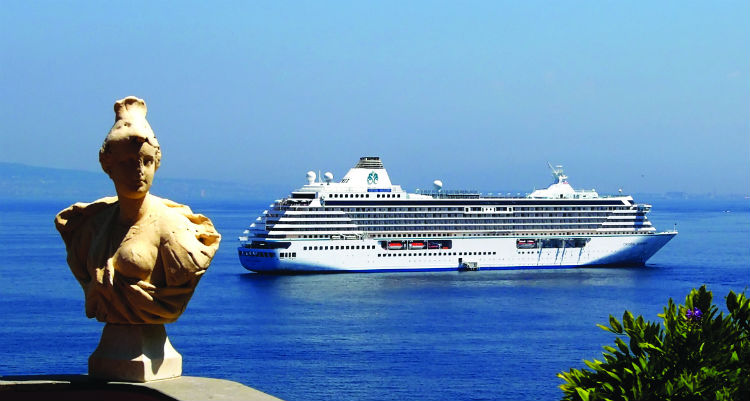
(179, 218)
(81, 214)
(188, 242)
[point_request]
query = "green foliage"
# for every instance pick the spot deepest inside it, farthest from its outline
(698, 354)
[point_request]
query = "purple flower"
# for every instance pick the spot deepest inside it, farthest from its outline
(693, 315)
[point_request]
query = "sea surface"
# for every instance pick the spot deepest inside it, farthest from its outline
(486, 335)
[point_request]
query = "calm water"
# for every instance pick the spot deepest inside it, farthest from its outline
(484, 335)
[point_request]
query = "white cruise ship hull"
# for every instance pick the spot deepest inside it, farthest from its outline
(488, 253)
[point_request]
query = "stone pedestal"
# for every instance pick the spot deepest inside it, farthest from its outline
(135, 353)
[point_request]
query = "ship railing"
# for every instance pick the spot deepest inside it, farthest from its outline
(450, 193)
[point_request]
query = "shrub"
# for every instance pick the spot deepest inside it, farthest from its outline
(698, 354)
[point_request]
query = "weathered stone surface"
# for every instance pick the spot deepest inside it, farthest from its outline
(137, 353)
(82, 387)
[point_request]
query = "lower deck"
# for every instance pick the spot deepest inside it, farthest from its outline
(372, 255)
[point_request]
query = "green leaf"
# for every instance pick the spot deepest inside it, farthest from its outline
(650, 347)
(605, 328)
(595, 365)
(731, 301)
(621, 344)
(636, 368)
(584, 394)
(609, 349)
(616, 326)
(613, 375)
(627, 320)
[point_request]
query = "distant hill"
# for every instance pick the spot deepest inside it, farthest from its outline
(19, 181)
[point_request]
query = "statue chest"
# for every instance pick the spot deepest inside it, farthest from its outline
(137, 256)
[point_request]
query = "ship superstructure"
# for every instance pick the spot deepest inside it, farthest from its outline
(365, 223)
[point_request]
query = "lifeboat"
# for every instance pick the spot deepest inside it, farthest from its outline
(395, 245)
(416, 245)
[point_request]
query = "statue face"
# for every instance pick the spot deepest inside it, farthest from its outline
(132, 167)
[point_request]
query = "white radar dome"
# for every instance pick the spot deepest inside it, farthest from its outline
(438, 185)
(310, 177)
(328, 176)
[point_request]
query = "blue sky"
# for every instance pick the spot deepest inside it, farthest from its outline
(644, 96)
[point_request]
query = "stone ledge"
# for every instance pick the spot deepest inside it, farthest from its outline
(84, 388)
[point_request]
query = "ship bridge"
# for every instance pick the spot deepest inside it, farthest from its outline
(367, 177)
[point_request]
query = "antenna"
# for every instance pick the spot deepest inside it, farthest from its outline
(557, 172)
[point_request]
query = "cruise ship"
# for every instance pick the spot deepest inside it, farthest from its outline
(364, 223)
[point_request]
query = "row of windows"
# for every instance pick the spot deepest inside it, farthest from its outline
(261, 254)
(335, 247)
(477, 201)
(349, 195)
(376, 208)
(317, 228)
(257, 254)
(307, 215)
(364, 195)
(316, 222)
(380, 214)
(467, 221)
(495, 227)
(494, 233)
(403, 254)
(317, 218)
(333, 224)
(475, 227)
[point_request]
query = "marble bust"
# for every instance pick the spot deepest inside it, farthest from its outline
(137, 257)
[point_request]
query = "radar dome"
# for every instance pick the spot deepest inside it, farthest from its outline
(328, 176)
(310, 177)
(438, 185)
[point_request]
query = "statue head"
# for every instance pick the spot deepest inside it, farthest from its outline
(130, 154)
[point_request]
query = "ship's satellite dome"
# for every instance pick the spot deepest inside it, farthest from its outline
(311, 177)
(328, 176)
(438, 184)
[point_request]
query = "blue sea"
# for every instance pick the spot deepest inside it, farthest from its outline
(486, 335)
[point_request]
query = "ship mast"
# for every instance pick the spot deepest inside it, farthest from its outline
(557, 172)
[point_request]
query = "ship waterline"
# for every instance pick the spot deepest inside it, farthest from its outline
(363, 223)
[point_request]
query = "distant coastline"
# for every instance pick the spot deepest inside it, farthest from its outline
(20, 181)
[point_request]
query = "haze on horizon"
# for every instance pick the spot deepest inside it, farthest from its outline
(648, 97)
